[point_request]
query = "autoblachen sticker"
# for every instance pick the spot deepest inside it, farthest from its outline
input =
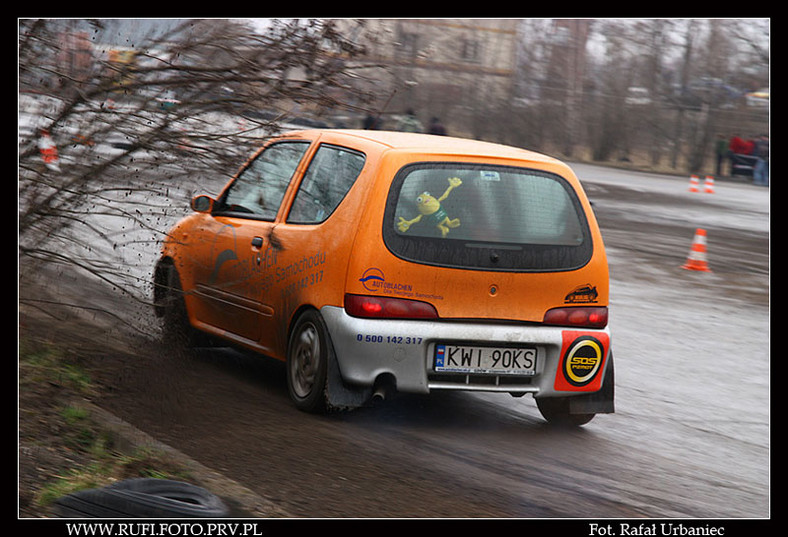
(375, 281)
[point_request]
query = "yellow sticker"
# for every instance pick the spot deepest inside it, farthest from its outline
(583, 360)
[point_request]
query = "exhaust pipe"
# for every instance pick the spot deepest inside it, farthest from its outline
(379, 394)
(383, 387)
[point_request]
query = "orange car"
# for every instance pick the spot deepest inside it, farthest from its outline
(375, 261)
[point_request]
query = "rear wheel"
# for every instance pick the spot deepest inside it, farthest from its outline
(556, 411)
(308, 353)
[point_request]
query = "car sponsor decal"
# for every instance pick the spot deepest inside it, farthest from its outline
(225, 255)
(372, 279)
(375, 281)
(258, 273)
(221, 259)
(582, 294)
(582, 361)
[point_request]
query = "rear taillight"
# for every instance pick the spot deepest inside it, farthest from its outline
(388, 308)
(580, 317)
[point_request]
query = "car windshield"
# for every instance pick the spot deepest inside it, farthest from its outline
(489, 217)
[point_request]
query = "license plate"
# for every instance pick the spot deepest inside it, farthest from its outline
(490, 360)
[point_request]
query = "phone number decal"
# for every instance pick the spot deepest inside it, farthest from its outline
(391, 340)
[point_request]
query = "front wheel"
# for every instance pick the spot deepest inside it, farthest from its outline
(308, 353)
(171, 308)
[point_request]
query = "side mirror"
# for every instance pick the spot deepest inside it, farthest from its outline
(202, 204)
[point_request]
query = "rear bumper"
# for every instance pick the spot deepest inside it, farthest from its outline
(404, 350)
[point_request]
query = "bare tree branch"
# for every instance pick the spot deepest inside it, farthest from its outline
(163, 115)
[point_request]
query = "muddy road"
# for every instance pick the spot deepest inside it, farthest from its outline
(690, 437)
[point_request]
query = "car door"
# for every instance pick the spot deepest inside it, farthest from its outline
(312, 247)
(234, 283)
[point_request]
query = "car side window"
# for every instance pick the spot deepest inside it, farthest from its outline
(330, 175)
(259, 189)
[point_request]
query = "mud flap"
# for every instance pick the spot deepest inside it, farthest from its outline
(599, 402)
(339, 395)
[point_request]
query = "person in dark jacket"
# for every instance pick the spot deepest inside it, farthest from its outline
(436, 127)
(760, 174)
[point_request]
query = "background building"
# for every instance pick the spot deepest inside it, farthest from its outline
(453, 69)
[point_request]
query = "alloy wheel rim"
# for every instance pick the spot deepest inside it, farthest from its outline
(305, 361)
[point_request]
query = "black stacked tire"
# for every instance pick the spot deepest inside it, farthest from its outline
(142, 498)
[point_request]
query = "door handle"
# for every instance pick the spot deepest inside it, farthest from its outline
(257, 242)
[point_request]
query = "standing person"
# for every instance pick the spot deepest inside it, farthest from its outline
(749, 147)
(737, 145)
(760, 173)
(738, 152)
(410, 123)
(372, 122)
(721, 152)
(436, 127)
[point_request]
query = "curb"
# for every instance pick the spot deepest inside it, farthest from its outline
(242, 501)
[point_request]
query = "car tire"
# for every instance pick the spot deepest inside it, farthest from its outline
(556, 411)
(177, 332)
(308, 353)
(142, 498)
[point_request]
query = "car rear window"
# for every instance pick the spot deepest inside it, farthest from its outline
(486, 217)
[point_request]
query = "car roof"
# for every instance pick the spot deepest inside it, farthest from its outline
(430, 144)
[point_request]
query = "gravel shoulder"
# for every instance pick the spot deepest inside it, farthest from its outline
(92, 341)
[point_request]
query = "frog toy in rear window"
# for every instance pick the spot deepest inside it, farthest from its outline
(431, 211)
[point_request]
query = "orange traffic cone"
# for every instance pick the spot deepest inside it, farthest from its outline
(694, 183)
(708, 185)
(48, 150)
(697, 254)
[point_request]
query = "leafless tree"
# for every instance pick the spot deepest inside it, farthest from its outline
(138, 126)
(663, 89)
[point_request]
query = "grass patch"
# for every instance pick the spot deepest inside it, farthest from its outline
(107, 468)
(62, 435)
(41, 363)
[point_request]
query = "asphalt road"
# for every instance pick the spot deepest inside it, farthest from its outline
(690, 438)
